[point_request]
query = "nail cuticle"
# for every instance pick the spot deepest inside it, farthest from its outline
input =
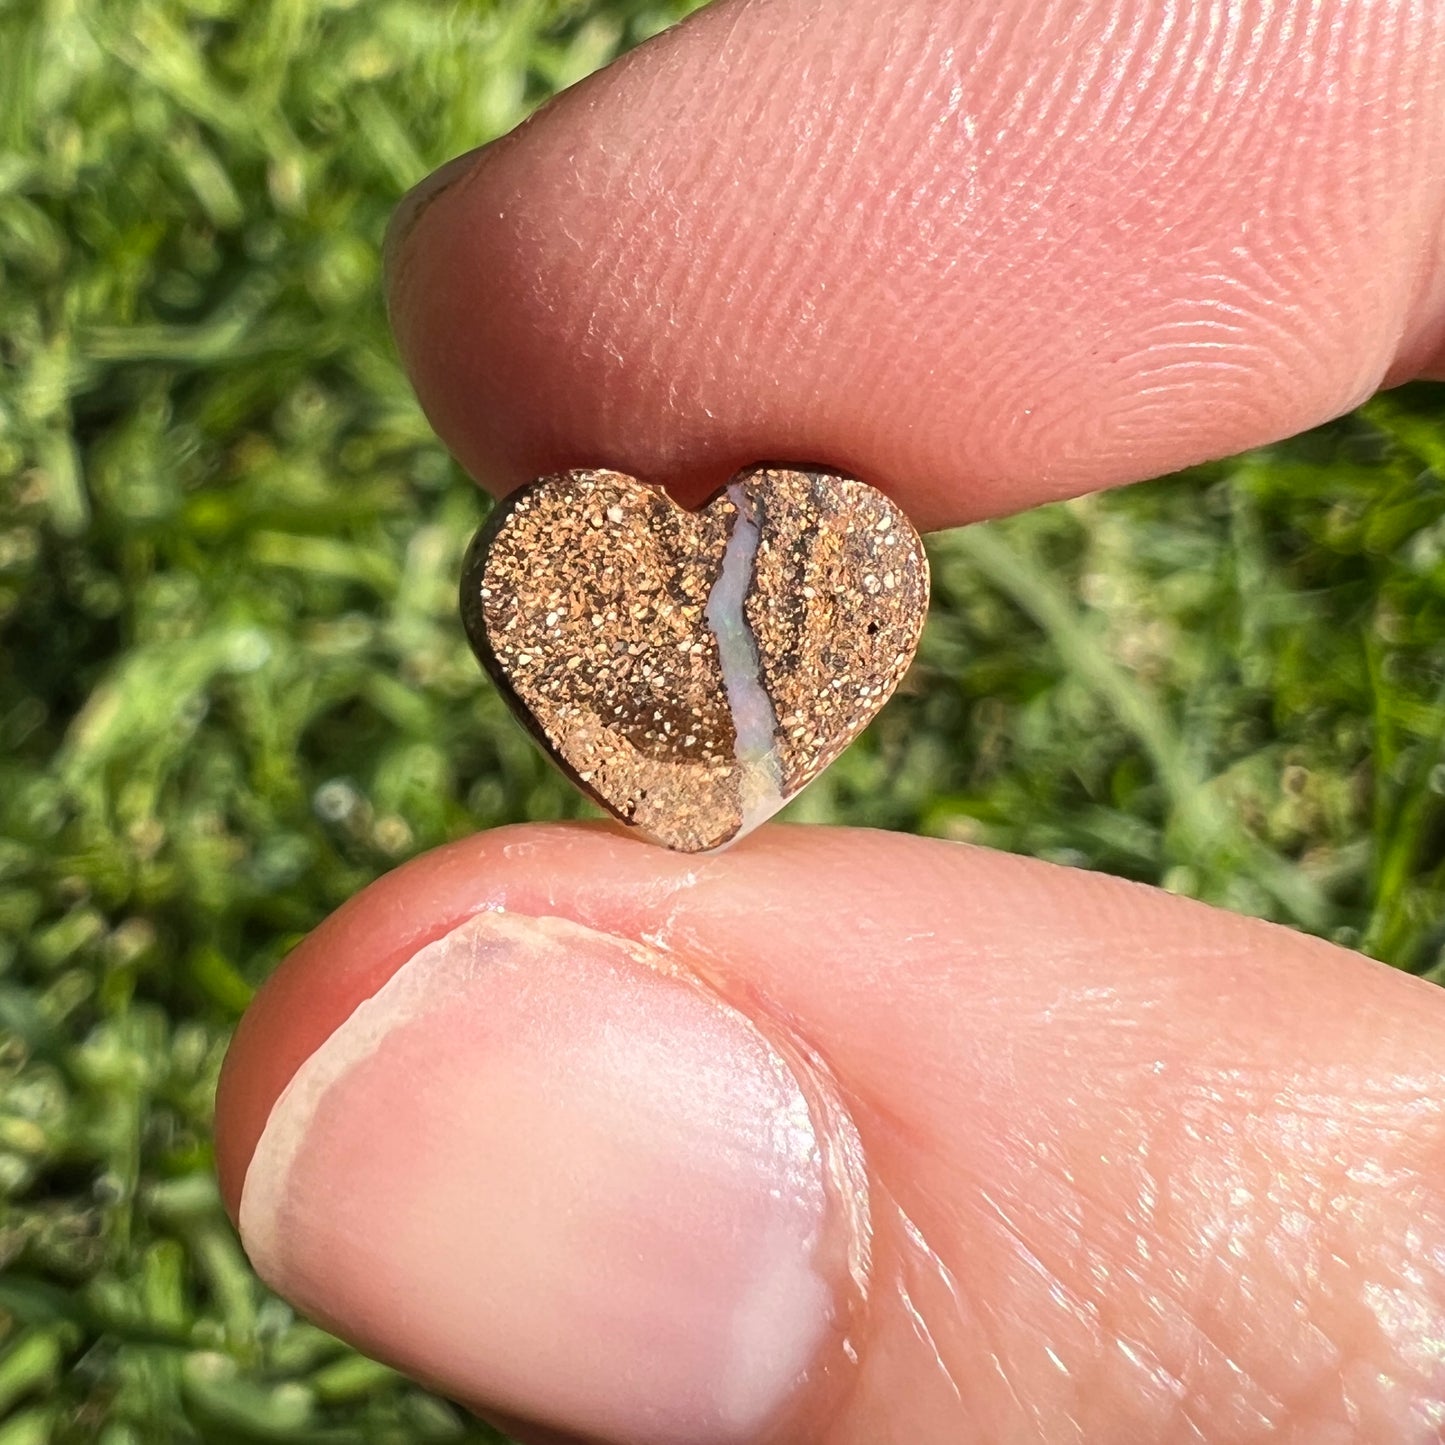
(844, 1248)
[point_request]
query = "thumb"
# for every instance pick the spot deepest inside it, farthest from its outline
(655, 1150)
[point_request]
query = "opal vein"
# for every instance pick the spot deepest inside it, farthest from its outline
(754, 718)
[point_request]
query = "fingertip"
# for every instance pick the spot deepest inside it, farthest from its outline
(945, 253)
(413, 206)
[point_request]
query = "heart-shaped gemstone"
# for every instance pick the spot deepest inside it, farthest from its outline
(692, 671)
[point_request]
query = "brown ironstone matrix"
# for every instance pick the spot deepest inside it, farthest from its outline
(692, 671)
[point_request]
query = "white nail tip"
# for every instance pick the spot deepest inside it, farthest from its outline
(407, 994)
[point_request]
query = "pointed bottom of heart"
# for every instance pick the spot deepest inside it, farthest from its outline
(694, 671)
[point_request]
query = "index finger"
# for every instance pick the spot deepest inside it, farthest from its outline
(982, 255)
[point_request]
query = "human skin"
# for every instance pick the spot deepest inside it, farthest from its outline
(841, 1137)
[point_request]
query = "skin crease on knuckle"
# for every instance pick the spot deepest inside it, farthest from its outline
(1236, 1265)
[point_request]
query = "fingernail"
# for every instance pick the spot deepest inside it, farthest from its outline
(558, 1180)
(411, 206)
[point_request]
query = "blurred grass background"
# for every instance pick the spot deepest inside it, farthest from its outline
(233, 687)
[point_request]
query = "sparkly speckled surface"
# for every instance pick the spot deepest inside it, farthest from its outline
(597, 605)
(839, 594)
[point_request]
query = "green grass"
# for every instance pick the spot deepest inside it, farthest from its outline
(233, 687)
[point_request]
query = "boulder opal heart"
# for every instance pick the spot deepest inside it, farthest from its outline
(692, 671)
